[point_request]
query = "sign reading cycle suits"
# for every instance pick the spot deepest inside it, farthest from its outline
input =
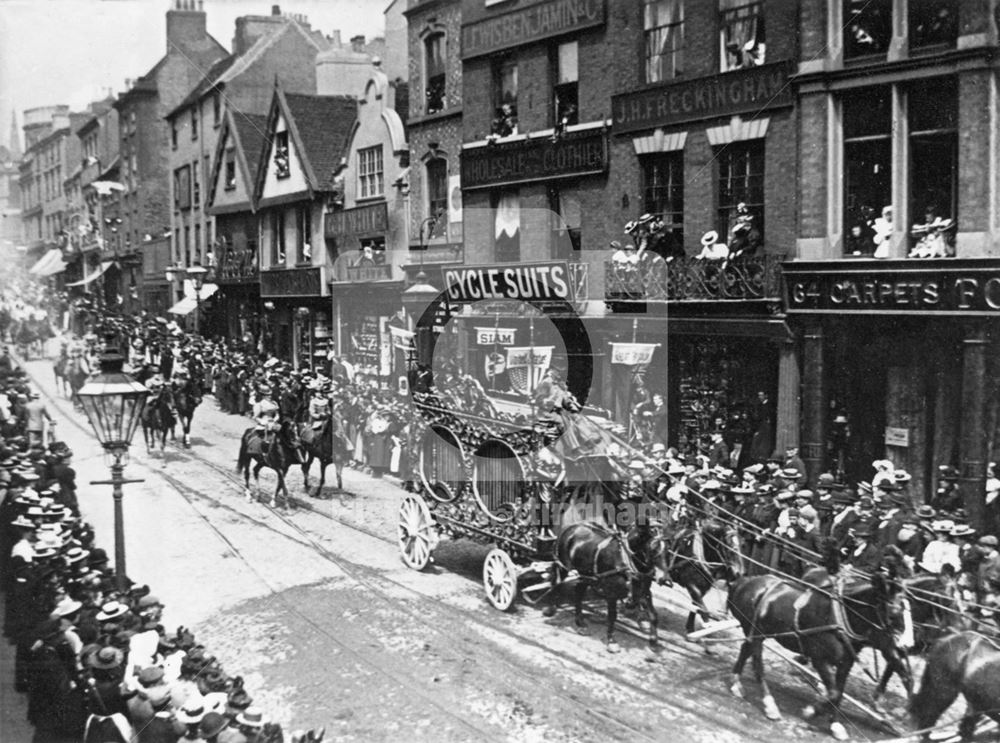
(532, 281)
(948, 287)
(742, 91)
(526, 25)
(532, 160)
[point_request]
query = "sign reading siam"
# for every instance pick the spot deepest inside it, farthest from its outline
(525, 282)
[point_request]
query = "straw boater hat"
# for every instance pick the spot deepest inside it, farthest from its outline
(710, 238)
(193, 710)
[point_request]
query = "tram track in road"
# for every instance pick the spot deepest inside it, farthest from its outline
(369, 577)
(364, 576)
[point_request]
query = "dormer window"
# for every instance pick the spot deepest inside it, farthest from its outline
(230, 169)
(281, 161)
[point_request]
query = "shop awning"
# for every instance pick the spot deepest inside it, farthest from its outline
(184, 307)
(50, 263)
(97, 274)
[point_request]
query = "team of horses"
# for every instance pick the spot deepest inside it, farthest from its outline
(826, 617)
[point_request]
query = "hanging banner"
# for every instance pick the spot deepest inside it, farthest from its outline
(526, 365)
(632, 354)
(401, 339)
(495, 336)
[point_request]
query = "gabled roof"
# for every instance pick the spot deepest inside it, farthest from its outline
(264, 43)
(206, 84)
(319, 128)
(247, 134)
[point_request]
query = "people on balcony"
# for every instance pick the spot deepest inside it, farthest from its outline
(505, 123)
(883, 232)
(711, 248)
(744, 235)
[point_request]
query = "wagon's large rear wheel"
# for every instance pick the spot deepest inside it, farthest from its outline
(500, 579)
(415, 533)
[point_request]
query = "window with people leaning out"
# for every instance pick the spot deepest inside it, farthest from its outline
(663, 23)
(434, 70)
(931, 110)
(504, 97)
(437, 198)
(867, 24)
(565, 91)
(743, 41)
(741, 201)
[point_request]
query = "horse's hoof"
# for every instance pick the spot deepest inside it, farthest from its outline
(613, 647)
(771, 711)
(838, 731)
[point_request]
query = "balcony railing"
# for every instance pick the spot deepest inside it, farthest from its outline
(692, 280)
(237, 267)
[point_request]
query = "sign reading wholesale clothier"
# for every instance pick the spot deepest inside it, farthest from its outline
(528, 25)
(948, 286)
(531, 160)
(739, 92)
(530, 281)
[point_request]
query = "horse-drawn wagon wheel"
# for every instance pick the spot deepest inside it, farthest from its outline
(415, 533)
(500, 579)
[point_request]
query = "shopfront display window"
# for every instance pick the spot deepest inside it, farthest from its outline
(867, 27)
(663, 197)
(933, 23)
(743, 41)
(507, 226)
(663, 21)
(741, 184)
(867, 116)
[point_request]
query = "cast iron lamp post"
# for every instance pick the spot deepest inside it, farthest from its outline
(114, 402)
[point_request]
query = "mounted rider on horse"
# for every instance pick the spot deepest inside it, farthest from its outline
(267, 420)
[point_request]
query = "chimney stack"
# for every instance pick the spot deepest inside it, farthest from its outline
(358, 43)
(275, 10)
(186, 24)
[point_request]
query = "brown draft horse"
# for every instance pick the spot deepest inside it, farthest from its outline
(614, 563)
(965, 663)
(828, 621)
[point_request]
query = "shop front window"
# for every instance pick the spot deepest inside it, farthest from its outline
(743, 42)
(567, 218)
(741, 186)
(663, 22)
(663, 197)
(504, 97)
(867, 27)
(932, 107)
(434, 65)
(933, 23)
(507, 226)
(437, 196)
(867, 116)
(565, 93)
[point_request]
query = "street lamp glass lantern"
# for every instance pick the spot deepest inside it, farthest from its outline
(113, 402)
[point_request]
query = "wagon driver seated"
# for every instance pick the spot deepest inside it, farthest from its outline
(266, 415)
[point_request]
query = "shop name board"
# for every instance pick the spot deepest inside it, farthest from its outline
(527, 25)
(495, 336)
(726, 94)
(532, 160)
(975, 290)
(292, 282)
(897, 436)
(534, 281)
(371, 219)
